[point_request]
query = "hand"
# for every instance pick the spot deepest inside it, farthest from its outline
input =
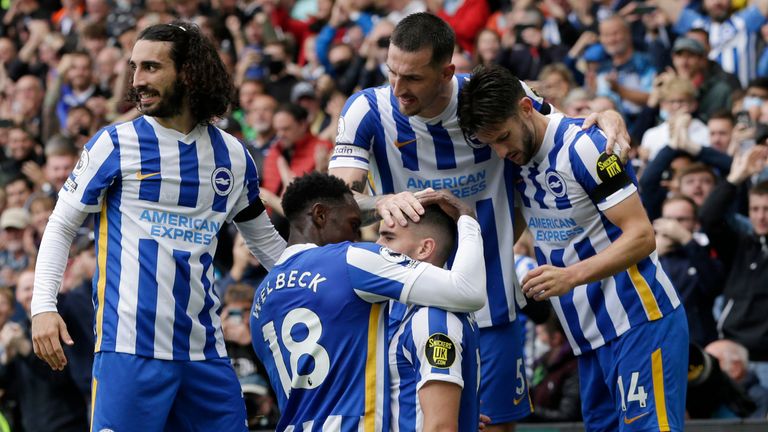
(547, 281)
(586, 39)
(399, 207)
(664, 245)
(672, 230)
(747, 164)
(33, 171)
(233, 25)
(48, 329)
(484, 421)
(616, 134)
(447, 201)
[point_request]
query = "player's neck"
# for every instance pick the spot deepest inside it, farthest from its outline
(182, 122)
(540, 124)
(441, 102)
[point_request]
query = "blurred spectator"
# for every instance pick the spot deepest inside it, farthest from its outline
(27, 105)
(279, 82)
(374, 51)
(731, 34)
(246, 93)
(304, 95)
(259, 402)
(60, 159)
(296, 152)
(75, 304)
(21, 148)
(576, 103)
(49, 400)
(701, 35)
(527, 53)
(746, 257)
(259, 118)
(628, 76)
(555, 383)
(711, 393)
(712, 93)
(73, 86)
(40, 209)
(555, 81)
(721, 125)
(734, 361)
(13, 258)
(696, 181)
(18, 190)
(246, 268)
(466, 17)
(685, 256)
(677, 102)
(487, 47)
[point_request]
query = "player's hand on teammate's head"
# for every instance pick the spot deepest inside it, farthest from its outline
(447, 201)
(48, 330)
(615, 129)
(399, 208)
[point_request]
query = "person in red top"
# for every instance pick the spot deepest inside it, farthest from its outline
(296, 152)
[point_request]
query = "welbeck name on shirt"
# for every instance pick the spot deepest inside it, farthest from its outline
(290, 279)
(180, 227)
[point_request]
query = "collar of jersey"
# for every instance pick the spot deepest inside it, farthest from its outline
(549, 137)
(293, 250)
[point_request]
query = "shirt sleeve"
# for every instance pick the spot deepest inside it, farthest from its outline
(378, 273)
(94, 173)
(249, 194)
(687, 20)
(357, 127)
(753, 19)
(605, 179)
(438, 338)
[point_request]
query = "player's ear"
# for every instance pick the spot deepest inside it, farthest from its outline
(426, 249)
(525, 104)
(448, 71)
(319, 214)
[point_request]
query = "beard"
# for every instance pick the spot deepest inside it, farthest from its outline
(169, 106)
(528, 145)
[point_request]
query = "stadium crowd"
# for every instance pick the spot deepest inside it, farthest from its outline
(690, 79)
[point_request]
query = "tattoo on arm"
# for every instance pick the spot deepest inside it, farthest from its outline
(367, 206)
(358, 185)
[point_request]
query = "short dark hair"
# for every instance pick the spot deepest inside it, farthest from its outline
(760, 188)
(697, 167)
(489, 98)
(205, 79)
(312, 188)
(239, 292)
(722, 114)
(681, 197)
(297, 112)
(759, 82)
(424, 30)
(435, 218)
(19, 177)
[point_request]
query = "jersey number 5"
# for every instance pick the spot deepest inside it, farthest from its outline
(297, 349)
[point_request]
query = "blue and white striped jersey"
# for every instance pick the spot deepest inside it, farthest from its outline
(563, 192)
(405, 153)
(733, 42)
(162, 197)
(433, 345)
(319, 323)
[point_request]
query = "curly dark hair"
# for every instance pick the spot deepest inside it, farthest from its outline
(310, 189)
(202, 75)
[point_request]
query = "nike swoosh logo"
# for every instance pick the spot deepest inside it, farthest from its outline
(141, 176)
(517, 401)
(632, 420)
(399, 144)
